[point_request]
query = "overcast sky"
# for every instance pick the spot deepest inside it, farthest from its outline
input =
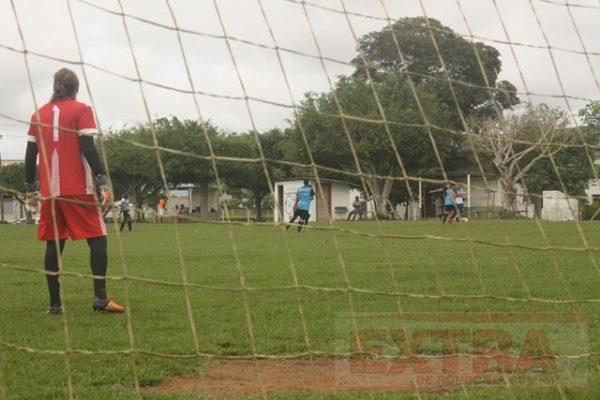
(47, 30)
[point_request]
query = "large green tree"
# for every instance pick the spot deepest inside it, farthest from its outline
(133, 169)
(411, 38)
(12, 183)
(12, 180)
(326, 134)
(134, 166)
(251, 175)
(188, 161)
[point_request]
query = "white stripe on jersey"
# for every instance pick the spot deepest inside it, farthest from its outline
(100, 217)
(89, 180)
(55, 175)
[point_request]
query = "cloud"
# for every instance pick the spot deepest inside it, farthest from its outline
(47, 29)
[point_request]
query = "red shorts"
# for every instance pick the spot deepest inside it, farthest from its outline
(77, 217)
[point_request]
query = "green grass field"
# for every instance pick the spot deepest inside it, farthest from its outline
(160, 321)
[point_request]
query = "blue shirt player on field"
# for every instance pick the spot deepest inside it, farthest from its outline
(450, 210)
(304, 196)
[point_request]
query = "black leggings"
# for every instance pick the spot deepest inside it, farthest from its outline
(126, 220)
(98, 263)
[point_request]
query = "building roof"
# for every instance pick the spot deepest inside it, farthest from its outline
(353, 185)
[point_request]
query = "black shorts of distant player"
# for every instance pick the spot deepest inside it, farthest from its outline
(296, 214)
(304, 215)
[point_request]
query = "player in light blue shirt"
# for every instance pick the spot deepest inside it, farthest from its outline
(304, 196)
(449, 203)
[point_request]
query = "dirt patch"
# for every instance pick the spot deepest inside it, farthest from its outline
(249, 378)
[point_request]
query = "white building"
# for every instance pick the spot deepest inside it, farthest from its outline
(593, 191)
(558, 206)
(205, 197)
(335, 200)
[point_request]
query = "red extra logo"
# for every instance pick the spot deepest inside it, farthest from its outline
(435, 352)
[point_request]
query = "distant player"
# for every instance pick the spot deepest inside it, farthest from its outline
(304, 196)
(61, 133)
(460, 203)
(162, 209)
(125, 215)
(356, 209)
(449, 210)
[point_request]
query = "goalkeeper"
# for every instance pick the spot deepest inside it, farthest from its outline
(62, 133)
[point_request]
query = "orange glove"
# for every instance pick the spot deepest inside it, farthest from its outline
(106, 200)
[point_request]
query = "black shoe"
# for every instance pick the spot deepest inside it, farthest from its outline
(54, 310)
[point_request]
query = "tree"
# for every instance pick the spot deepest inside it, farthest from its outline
(572, 166)
(12, 184)
(421, 60)
(187, 136)
(251, 175)
(135, 169)
(590, 115)
(12, 181)
(521, 147)
(329, 143)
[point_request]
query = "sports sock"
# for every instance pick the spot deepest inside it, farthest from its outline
(51, 265)
(99, 264)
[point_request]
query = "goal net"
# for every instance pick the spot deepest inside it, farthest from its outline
(448, 243)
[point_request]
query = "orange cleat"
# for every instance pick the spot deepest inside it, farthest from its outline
(107, 305)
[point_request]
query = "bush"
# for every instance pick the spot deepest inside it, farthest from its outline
(590, 211)
(505, 214)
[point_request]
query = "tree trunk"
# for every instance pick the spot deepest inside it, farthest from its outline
(140, 213)
(510, 196)
(258, 198)
(380, 190)
(537, 208)
(204, 206)
(137, 206)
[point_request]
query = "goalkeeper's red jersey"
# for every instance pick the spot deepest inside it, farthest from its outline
(63, 170)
